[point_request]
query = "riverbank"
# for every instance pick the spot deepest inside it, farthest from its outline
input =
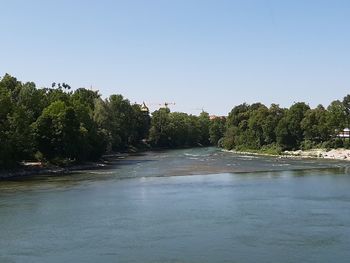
(26, 169)
(38, 168)
(333, 154)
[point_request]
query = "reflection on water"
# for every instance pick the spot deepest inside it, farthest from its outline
(232, 209)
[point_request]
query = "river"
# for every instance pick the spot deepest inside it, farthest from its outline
(193, 205)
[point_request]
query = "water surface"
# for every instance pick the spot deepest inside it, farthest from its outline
(147, 208)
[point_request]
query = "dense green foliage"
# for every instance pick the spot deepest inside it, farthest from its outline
(258, 128)
(217, 130)
(175, 129)
(60, 126)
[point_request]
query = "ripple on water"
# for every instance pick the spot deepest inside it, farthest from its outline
(271, 214)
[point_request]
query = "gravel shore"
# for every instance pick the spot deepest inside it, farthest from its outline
(334, 154)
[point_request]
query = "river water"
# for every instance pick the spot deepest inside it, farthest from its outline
(193, 205)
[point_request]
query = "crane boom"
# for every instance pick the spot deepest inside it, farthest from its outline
(163, 105)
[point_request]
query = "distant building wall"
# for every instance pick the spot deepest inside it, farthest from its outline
(344, 133)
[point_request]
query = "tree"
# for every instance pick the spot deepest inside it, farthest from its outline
(216, 130)
(256, 124)
(6, 155)
(275, 114)
(346, 103)
(140, 122)
(238, 114)
(58, 132)
(158, 134)
(85, 97)
(204, 123)
(193, 131)
(315, 126)
(16, 115)
(289, 131)
(337, 118)
(119, 122)
(229, 139)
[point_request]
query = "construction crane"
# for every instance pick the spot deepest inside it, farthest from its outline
(199, 109)
(168, 103)
(163, 105)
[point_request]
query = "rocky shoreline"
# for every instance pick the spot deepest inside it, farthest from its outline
(333, 154)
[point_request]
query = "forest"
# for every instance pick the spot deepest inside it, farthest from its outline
(60, 126)
(256, 127)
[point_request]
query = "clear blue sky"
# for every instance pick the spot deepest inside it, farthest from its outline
(197, 53)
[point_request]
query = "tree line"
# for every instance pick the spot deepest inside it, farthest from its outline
(275, 129)
(58, 125)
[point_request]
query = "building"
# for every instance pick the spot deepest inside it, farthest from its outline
(345, 133)
(144, 107)
(213, 117)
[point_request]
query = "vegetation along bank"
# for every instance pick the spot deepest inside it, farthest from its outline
(60, 126)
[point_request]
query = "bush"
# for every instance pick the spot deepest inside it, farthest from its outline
(273, 148)
(333, 144)
(346, 144)
(338, 143)
(307, 145)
